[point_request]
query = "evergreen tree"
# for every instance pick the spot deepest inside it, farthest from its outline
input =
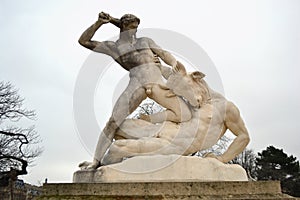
(274, 164)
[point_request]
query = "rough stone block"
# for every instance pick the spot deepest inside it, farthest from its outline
(161, 168)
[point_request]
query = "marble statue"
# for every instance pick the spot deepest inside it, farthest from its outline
(139, 56)
(195, 116)
(212, 115)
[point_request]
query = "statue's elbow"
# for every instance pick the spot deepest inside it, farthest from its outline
(84, 42)
(246, 139)
(81, 42)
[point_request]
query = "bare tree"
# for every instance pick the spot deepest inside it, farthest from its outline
(147, 107)
(247, 160)
(18, 146)
(217, 149)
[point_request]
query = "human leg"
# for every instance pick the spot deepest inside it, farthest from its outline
(176, 109)
(129, 100)
(130, 147)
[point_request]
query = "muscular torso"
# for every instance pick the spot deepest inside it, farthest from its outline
(134, 54)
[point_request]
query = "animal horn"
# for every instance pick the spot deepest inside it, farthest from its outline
(181, 68)
(197, 75)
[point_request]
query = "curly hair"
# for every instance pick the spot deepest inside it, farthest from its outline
(128, 18)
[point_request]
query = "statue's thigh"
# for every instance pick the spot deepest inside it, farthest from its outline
(180, 110)
(129, 100)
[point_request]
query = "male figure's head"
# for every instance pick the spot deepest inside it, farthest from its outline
(129, 22)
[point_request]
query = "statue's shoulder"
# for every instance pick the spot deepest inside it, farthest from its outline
(145, 39)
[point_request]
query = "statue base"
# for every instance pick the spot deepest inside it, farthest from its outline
(164, 190)
(159, 168)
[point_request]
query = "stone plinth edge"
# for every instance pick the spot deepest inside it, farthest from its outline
(171, 168)
(165, 190)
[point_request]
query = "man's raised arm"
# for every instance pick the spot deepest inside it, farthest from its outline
(100, 47)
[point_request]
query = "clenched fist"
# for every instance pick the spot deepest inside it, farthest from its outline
(104, 17)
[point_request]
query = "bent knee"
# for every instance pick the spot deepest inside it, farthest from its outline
(186, 117)
(182, 113)
(180, 117)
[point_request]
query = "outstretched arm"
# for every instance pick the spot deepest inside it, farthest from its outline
(100, 47)
(235, 124)
(236, 147)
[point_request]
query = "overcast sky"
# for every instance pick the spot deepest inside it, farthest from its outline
(254, 45)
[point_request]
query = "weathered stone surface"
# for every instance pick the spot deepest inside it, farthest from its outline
(165, 190)
(163, 168)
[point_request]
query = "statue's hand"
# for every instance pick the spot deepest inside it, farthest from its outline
(89, 165)
(104, 17)
(211, 155)
(179, 68)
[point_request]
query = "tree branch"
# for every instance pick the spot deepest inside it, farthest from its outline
(24, 163)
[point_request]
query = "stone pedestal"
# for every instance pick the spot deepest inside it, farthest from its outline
(164, 190)
(164, 177)
(163, 169)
